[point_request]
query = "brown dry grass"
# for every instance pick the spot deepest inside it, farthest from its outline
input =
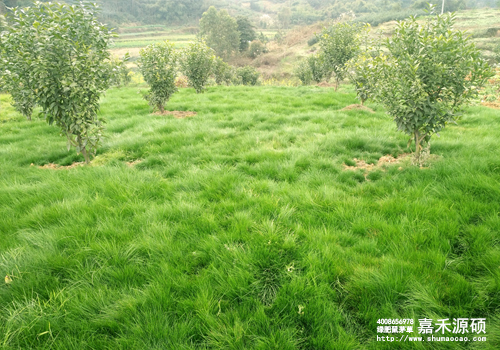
(177, 114)
(280, 59)
(381, 164)
(326, 84)
(357, 107)
(495, 105)
(133, 163)
(60, 167)
(300, 35)
(383, 161)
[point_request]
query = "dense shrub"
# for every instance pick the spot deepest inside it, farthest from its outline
(158, 65)
(313, 68)
(223, 72)
(256, 49)
(263, 38)
(318, 67)
(247, 75)
(313, 40)
(302, 17)
(197, 64)
(303, 72)
(339, 44)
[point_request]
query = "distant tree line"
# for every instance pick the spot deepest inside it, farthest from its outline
(144, 11)
(152, 11)
(297, 12)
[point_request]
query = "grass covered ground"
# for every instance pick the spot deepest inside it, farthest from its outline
(239, 228)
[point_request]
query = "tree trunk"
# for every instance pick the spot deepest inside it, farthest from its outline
(83, 149)
(85, 155)
(161, 108)
(417, 146)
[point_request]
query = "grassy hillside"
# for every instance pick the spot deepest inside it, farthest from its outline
(242, 227)
(482, 24)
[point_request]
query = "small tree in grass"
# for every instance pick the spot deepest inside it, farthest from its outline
(303, 72)
(319, 68)
(119, 72)
(158, 65)
(430, 71)
(339, 44)
(357, 69)
(247, 75)
(66, 50)
(197, 64)
(359, 75)
(222, 71)
(313, 68)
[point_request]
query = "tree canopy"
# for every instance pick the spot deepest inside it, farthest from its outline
(59, 53)
(428, 72)
(247, 32)
(220, 31)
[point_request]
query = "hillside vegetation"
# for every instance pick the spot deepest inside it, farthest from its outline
(171, 12)
(282, 56)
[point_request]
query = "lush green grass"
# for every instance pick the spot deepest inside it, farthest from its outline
(240, 230)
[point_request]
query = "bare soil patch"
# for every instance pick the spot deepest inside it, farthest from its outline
(177, 114)
(60, 167)
(357, 107)
(361, 164)
(495, 105)
(383, 161)
(134, 162)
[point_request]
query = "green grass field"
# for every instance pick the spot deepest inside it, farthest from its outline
(239, 228)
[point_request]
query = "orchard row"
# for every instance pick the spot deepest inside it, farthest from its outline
(56, 56)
